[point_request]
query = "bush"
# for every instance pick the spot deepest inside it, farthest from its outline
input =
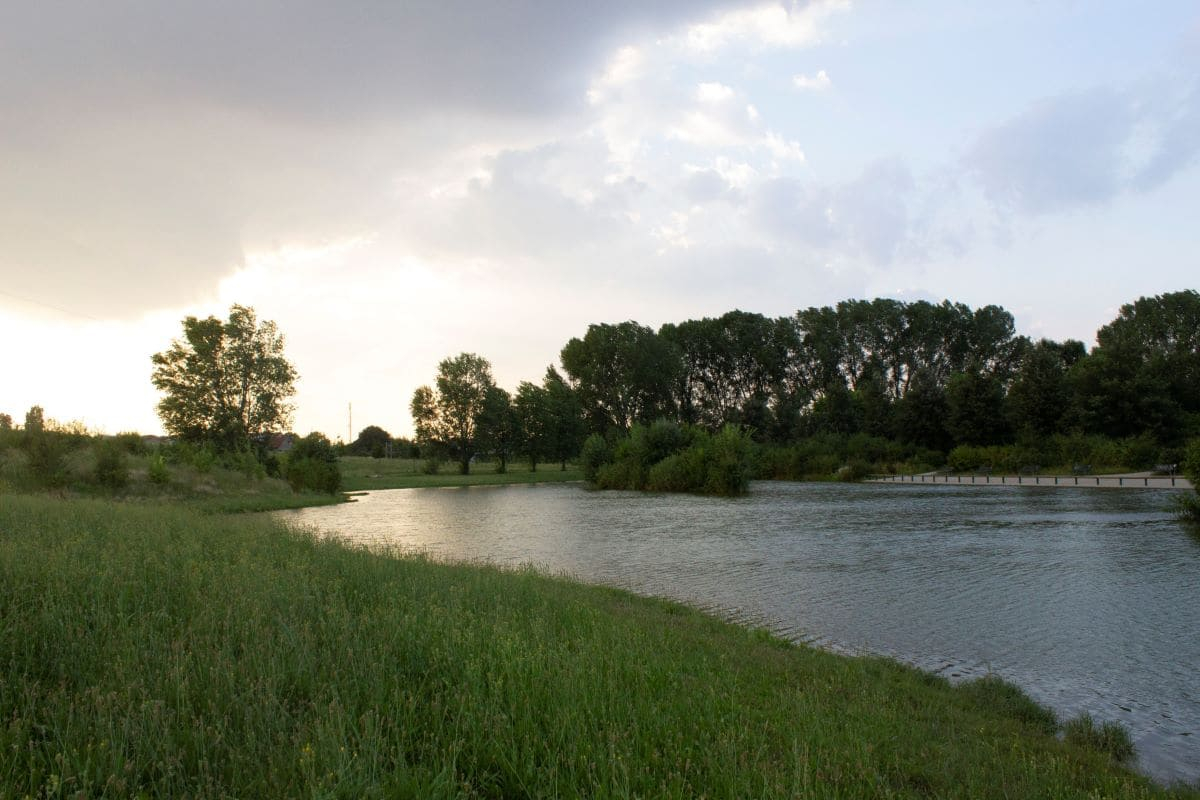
(718, 464)
(432, 464)
(131, 443)
(158, 473)
(111, 470)
(856, 470)
(312, 464)
(595, 454)
(46, 463)
(1109, 737)
(728, 457)
(203, 459)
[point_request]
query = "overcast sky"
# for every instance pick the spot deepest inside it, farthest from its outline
(396, 182)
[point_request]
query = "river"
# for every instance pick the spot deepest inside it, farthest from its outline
(1085, 598)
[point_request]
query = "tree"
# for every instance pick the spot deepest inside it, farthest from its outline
(225, 383)
(1039, 396)
(313, 464)
(498, 427)
(532, 408)
(567, 429)
(448, 418)
(975, 408)
(372, 441)
(35, 420)
(623, 374)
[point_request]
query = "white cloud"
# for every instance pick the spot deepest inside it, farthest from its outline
(713, 93)
(812, 83)
(769, 25)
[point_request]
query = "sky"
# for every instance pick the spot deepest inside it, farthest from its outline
(395, 183)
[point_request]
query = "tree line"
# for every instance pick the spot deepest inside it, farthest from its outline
(933, 375)
(925, 377)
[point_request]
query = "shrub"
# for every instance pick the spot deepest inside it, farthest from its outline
(595, 454)
(1110, 737)
(432, 464)
(131, 443)
(45, 452)
(728, 467)
(158, 473)
(312, 464)
(856, 470)
(111, 470)
(1141, 452)
(203, 460)
(681, 472)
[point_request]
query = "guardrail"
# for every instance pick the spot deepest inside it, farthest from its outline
(1102, 481)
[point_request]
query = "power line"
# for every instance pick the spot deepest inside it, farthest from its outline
(59, 309)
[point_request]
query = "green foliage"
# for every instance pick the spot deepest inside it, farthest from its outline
(670, 457)
(203, 459)
(498, 427)
(157, 472)
(449, 418)
(112, 471)
(35, 421)
(623, 374)
(1110, 738)
(532, 409)
(224, 383)
(596, 453)
(372, 441)
(312, 465)
(46, 451)
(1189, 504)
(432, 464)
(132, 443)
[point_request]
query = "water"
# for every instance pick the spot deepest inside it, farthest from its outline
(1085, 598)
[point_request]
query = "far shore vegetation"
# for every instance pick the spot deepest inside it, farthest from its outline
(151, 650)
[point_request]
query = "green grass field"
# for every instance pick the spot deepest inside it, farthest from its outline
(157, 651)
(360, 473)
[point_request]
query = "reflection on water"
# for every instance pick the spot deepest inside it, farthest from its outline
(1086, 598)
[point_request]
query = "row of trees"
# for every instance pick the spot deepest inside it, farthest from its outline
(465, 414)
(935, 375)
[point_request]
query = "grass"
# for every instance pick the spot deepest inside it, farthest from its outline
(214, 489)
(157, 650)
(360, 473)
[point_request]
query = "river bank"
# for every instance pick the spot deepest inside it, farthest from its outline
(326, 669)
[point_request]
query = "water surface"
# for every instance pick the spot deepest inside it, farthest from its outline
(1084, 597)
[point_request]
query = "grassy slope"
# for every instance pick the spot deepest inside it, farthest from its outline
(157, 649)
(360, 473)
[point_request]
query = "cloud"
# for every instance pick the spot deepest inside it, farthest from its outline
(768, 25)
(147, 148)
(1085, 148)
(812, 83)
(868, 216)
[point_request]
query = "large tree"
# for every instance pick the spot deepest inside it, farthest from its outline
(623, 374)
(449, 417)
(226, 382)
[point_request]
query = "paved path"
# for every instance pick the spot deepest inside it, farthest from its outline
(1127, 480)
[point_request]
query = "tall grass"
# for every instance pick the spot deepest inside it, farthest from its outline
(156, 650)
